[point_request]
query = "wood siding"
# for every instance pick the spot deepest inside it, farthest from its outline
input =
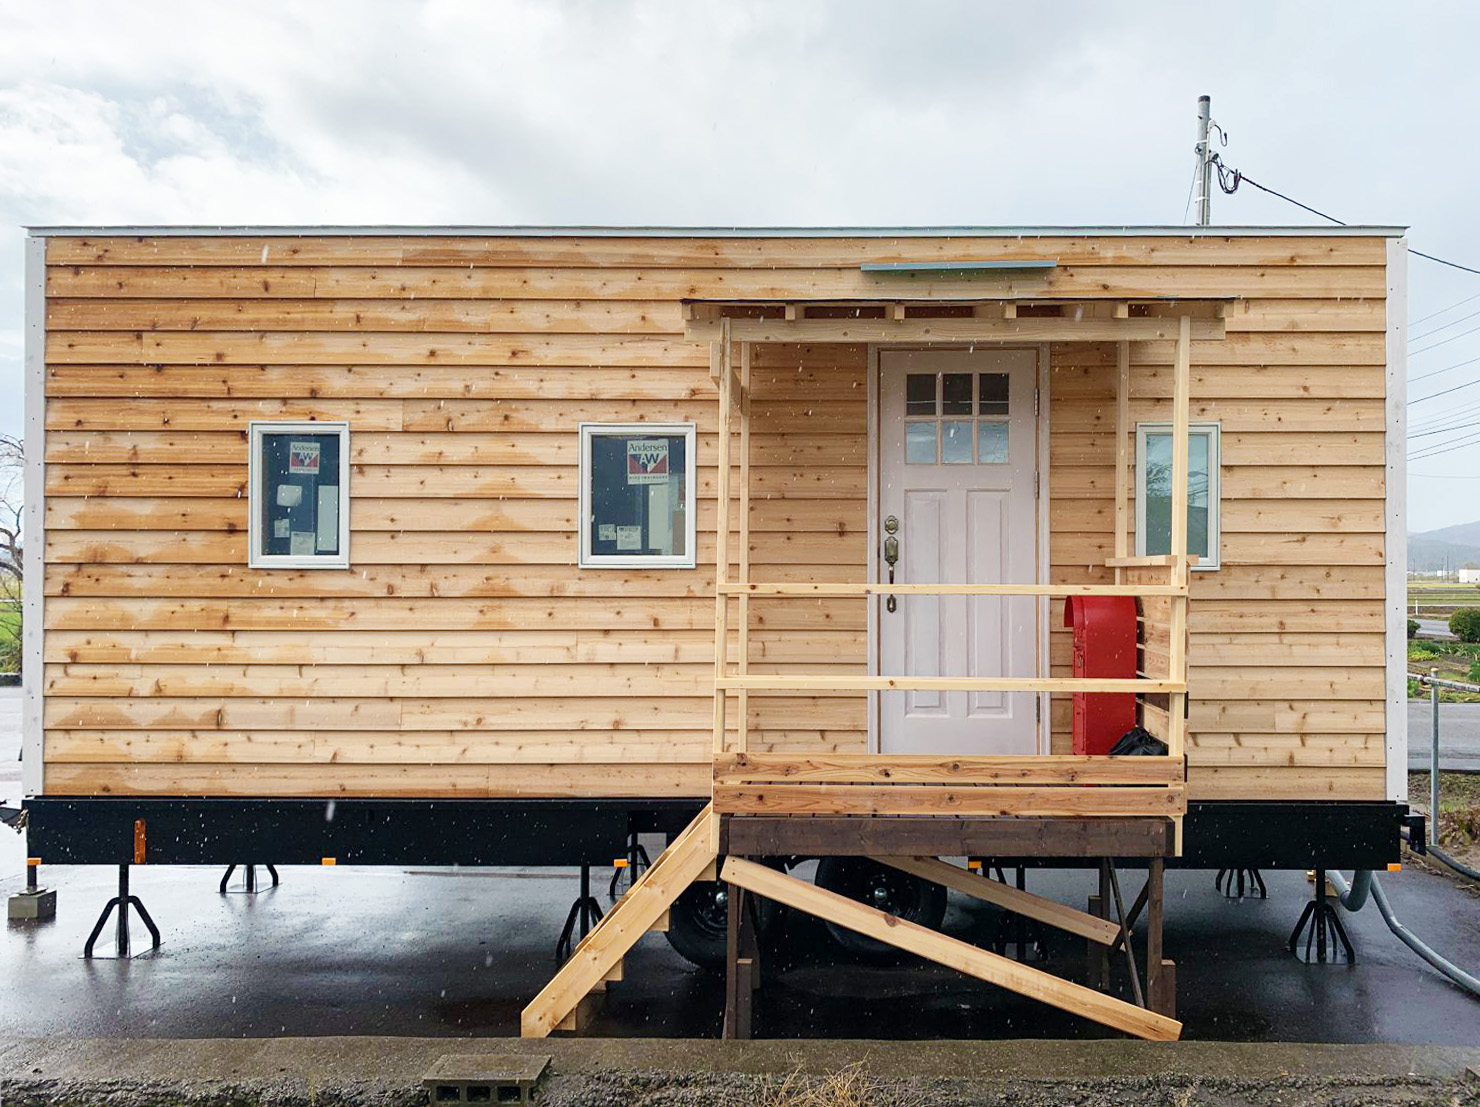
(465, 654)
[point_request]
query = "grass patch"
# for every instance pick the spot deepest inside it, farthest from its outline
(1454, 660)
(10, 639)
(1459, 811)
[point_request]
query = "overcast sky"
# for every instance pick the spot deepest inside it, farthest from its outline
(743, 112)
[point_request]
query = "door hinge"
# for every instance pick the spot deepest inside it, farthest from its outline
(1036, 483)
(1038, 709)
(1035, 399)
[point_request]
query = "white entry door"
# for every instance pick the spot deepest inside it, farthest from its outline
(958, 452)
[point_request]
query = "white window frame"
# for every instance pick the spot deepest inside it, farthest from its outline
(256, 559)
(1212, 431)
(687, 560)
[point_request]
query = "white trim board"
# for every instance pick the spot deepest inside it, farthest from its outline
(394, 229)
(34, 523)
(1395, 542)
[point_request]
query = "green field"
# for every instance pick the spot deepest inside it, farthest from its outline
(1441, 598)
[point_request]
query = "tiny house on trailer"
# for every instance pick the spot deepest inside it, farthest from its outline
(513, 542)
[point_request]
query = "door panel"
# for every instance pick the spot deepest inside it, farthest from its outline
(958, 449)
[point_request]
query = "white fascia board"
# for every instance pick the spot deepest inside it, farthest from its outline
(33, 524)
(1395, 514)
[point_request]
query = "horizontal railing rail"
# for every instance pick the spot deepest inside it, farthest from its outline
(870, 588)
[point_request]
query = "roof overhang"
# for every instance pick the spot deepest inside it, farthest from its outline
(955, 231)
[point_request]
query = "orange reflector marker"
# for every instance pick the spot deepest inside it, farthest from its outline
(328, 861)
(1395, 868)
(33, 861)
(974, 866)
(619, 863)
(138, 841)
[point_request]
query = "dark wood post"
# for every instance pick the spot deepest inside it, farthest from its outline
(1161, 974)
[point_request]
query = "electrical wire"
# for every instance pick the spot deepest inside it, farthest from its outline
(1441, 311)
(1447, 391)
(1441, 342)
(1229, 179)
(1437, 372)
(1445, 327)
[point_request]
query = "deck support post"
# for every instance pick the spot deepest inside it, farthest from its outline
(742, 964)
(1161, 975)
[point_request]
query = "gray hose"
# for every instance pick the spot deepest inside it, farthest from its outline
(1353, 896)
(1458, 866)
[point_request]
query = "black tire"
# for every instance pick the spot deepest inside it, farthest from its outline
(875, 885)
(698, 919)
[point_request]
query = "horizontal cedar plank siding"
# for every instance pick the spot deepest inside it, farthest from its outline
(464, 654)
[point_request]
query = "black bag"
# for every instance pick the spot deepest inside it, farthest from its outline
(1139, 742)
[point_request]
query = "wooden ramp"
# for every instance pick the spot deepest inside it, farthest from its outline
(950, 952)
(641, 909)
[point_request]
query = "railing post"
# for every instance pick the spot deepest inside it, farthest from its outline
(1434, 758)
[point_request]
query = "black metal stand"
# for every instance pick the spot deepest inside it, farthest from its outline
(1227, 879)
(637, 861)
(1028, 937)
(249, 885)
(1325, 929)
(584, 912)
(123, 901)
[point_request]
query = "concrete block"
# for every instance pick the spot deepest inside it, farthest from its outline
(498, 1078)
(38, 905)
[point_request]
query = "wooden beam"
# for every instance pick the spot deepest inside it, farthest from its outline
(938, 799)
(874, 768)
(845, 683)
(929, 835)
(862, 588)
(620, 928)
(722, 535)
(1006, 897)
(916, 939)
(1122, 453)
(742, 701)
(963, 329)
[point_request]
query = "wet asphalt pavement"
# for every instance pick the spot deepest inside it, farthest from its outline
(336, 951)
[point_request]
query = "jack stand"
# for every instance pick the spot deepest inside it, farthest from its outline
(123, 901)
(637, 861)
(1226, 878)
(585, 911)
(1325, 928)
(35, 904)
(1027, 936)
(249, 885)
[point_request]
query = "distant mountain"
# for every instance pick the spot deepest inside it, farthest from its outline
(1447, 547)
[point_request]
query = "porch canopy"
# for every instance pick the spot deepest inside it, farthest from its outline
(780, 783)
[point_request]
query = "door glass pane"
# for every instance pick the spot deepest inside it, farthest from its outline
(991, 443)
(919, 394)
(919, 443)
(993, 394)
(955, 444)
(956, 394)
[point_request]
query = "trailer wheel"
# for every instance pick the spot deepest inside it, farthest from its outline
(875, 885)
(698, 919)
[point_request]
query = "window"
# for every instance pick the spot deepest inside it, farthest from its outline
(637, 495)
(298, 480)
(933, 437)
(1154, 491)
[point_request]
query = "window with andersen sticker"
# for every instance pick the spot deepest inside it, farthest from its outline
(298, 496)
(637, 495)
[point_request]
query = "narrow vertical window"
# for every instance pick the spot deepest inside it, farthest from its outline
(1154, 491)
(637, 495)
(298, 496)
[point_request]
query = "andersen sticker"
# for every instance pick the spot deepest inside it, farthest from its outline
(647, 461)
(303, 458)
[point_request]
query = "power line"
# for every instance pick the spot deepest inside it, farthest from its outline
(1447, 391)
(1229, 179)
(1447, 368)
(1444, 327)
(1442, 342)
(1441, 311)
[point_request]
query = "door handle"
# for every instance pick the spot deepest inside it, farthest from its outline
(891, 556)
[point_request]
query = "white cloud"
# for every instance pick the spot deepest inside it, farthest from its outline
(681, 111)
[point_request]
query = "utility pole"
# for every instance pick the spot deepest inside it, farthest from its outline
(1204, 162)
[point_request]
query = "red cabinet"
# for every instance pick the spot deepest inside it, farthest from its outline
(1104, 646)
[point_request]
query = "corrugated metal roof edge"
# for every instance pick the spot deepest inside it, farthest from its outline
(719, 232)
